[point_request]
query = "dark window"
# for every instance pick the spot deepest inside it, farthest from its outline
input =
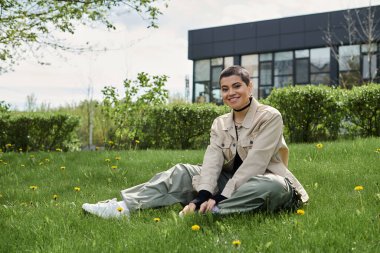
(302, 71)
(266, 73)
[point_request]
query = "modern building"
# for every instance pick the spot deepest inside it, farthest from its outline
(333, 48)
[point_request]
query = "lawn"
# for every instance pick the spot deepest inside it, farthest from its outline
(41, 196)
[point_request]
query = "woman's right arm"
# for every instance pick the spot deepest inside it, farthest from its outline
(212, 161)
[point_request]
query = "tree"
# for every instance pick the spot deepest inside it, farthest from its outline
(360, 25)
(25, 25)
(127, 113)
(31, 103)
(4, 107)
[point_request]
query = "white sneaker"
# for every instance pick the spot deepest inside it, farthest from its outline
(107, 209)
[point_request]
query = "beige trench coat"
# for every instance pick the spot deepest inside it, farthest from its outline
(260, 145)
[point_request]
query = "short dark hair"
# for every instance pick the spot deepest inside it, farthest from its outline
(236, 70)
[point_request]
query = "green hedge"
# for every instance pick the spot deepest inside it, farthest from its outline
(37, 131)
(310, 113)
(179, 126)
(362, 105)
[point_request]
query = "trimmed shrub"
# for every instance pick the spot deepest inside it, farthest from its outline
(362, 105)
(310, 113)
(38, 131)
(178, 126)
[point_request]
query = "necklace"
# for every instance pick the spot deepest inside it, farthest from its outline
(245, 107)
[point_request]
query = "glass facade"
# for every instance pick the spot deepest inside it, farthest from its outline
(206, 79)
(349, 65)
(251, 63)
(354, 64)
(371, 59)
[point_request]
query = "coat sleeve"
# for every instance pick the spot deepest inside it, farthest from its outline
(212, 163)
(258, 157)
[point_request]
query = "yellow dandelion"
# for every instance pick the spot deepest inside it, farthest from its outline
(58, 149)
(195, 227)
(119, 209)
(137, 141)
(33, 187)
(117, 158)
(236, 243)
(157, 219)
(359, 188)
(114, 167)
(300, 212)
(55, 196)
(107, 160)
(110, 143)
(63, 167)
(319, 146)
(77, 189)
(8, 145)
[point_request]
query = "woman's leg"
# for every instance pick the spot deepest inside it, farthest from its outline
(165, 188)
(260, 193)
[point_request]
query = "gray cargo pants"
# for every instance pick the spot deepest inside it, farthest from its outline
(260, 193)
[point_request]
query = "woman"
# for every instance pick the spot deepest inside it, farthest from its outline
(244, 168)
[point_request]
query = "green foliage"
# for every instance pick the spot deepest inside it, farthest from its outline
(90, 113)
(37, 131)
(310, 113)
(4, 107)
(337, 219)
(31, 23)
(178, 126)
(127, 112)
(362, 105)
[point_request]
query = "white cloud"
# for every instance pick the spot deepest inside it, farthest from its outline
(132, 48)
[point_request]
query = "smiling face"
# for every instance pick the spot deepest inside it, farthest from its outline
(235, 92)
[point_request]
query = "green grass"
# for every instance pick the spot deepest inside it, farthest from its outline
(337, 219)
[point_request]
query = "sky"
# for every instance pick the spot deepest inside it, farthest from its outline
(132, 48)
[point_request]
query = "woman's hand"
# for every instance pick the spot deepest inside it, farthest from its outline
(207, 206)
(190, 208)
